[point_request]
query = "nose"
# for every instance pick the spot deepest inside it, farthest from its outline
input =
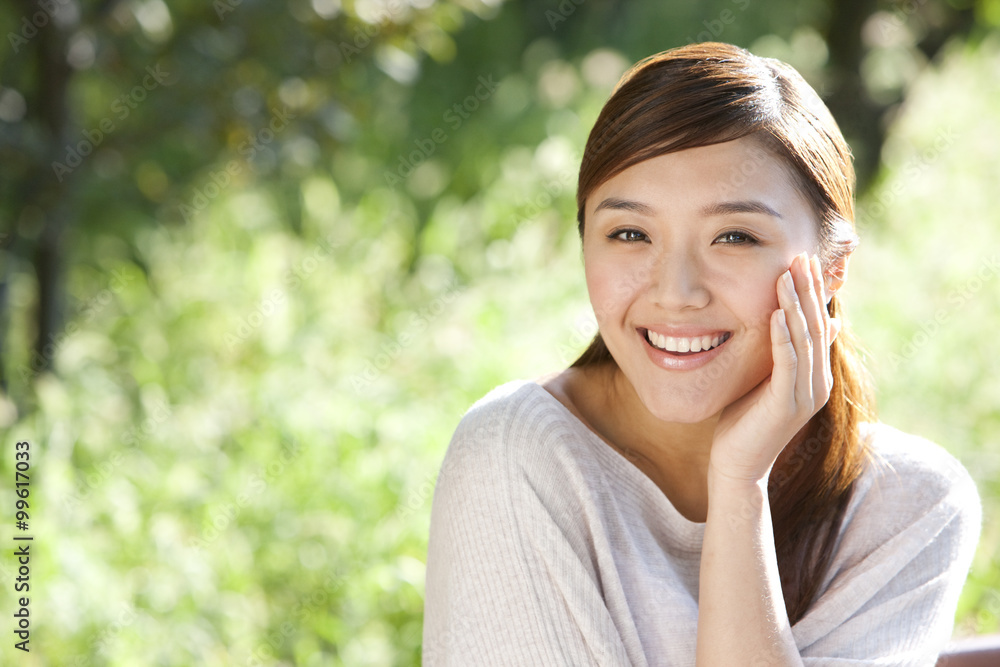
(677, 282)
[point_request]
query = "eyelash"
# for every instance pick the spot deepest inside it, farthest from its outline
(619, 232)
(748, 239)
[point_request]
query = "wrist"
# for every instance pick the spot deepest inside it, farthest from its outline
(730, 478)
(728, 492)
(736, 501)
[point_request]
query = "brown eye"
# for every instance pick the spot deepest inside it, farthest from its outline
(628, 235)
(736, 237)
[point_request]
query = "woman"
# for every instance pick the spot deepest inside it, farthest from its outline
(707, 484)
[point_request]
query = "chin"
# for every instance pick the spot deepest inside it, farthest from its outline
(692, 400)
(671, 405)
(695, 395)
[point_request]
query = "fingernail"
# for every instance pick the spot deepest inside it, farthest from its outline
(786, 278)
(835, 326)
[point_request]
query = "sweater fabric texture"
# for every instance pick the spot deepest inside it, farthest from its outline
(547, 547)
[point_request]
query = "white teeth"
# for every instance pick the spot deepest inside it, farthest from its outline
(672, 344)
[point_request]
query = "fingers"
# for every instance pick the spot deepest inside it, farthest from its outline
(793, 291)
(820, 330)
(782, 353)
(808, 333)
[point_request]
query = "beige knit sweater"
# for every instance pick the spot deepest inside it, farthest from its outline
(549, 548)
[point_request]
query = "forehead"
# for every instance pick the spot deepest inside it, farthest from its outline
(696, 178)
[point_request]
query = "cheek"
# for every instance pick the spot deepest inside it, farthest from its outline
(612, 286)
(749, 294)
(759, 301)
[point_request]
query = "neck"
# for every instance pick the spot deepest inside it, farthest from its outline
(673, 455)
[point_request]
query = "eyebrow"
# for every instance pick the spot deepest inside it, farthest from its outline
(616, 204)
(718, 208)
(745, 206)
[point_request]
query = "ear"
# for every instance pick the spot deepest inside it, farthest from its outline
(835, 275)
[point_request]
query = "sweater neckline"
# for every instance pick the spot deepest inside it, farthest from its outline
(683, 532)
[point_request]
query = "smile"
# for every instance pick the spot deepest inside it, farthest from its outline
(686, 345)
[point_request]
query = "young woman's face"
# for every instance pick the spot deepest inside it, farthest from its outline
(682, 253)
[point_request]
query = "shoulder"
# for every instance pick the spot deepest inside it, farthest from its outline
(516, 422)
(906, 543)
(908, 468)
(515, 459)
(914, 495)
(514, 397)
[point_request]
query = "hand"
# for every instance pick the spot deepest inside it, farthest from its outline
(753, 430)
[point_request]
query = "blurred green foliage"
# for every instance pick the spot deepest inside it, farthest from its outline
(326, 228)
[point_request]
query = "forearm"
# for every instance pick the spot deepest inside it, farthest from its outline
(741, 611)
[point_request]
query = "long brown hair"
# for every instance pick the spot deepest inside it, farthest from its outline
(710, 93)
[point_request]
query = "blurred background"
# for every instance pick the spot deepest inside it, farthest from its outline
(257, 259)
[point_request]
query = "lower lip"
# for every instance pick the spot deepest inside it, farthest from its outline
(675, 362)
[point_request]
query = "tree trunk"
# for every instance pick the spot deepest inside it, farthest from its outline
(859, 117)
(48, 193)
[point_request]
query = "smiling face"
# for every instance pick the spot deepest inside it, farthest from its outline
(682, 255)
